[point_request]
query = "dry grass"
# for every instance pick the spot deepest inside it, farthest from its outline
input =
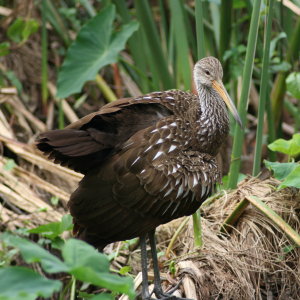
(253, 261)
(27, 187)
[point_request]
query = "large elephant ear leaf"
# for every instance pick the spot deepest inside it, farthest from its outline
(95, 47)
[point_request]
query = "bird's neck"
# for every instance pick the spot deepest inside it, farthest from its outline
(214, 121)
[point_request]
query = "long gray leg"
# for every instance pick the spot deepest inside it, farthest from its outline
(145, 286)
(159, 293)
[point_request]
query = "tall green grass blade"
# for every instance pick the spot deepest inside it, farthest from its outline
(215, 17)
(199, 29)
(271, 127)
(137, 53)
(160, 62)
(279, 87)
(226, 12)
(225, 27)
(181, 41)
(163, 23)
(247, 74)
(190, 29)
(57, 22)
(44, 55)
(201, 52)
(263, 90)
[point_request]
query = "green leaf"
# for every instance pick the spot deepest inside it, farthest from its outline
(103, 296)
(95, 47)
(31, 26)
(11, 76)
(9, 165)
(289, 147)
(241, 177)
(77, 253)
(293, 84)
(23, 283)
(281, 170)
(106, 280)
(32, 252)
(20, 30)
(293, 179)
(54, 229)
(125, 270)
(4, 48)
(54, 200)
(14, 31)
(89, 265)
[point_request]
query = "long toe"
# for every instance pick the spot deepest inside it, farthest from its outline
(169, 295)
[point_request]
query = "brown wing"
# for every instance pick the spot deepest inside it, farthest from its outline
(87, 142)
(141, 187)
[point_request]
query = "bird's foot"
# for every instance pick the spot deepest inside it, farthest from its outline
(161, 295)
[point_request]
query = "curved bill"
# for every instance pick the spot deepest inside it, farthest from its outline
(219, 87)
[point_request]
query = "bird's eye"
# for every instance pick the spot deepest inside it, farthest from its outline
(207, 72)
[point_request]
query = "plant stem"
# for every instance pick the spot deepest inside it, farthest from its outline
(201, 51)
(234, 216)
(44, 55)
(247, 74)
(105, 89)
(272, 215)
(197, 229)
(263, 90)
(175, 236)
(73, 289)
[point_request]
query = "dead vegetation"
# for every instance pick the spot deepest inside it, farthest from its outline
(255, 260)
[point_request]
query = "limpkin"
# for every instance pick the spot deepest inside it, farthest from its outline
(146, 161)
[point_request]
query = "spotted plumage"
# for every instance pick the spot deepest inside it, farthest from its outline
(146, 160)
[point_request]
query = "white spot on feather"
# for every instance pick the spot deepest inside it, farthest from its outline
(135, 160)
(195, 181)
(143, 171)
(176, 207)
(174, 124)
(165, 127)
(159, 141)
(172, 148)
(180, 191)
(169, 98)
(148, 149)
(157, 155)
(154, 130)
(168, 192)
(147, 97)
(165, 185)
(203, 192)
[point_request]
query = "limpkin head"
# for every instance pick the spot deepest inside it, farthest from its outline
(208, 72)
